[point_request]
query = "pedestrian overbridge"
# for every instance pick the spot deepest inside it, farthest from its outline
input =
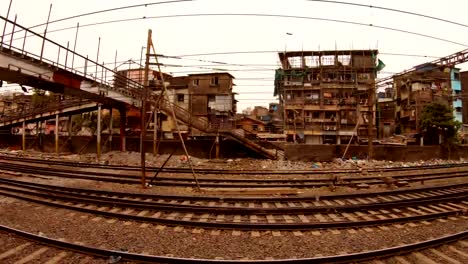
(65, 108)
(52, 67)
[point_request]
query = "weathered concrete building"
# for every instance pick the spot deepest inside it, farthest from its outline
(386, 113)
(426, 84)
(208, 96)
(324, 95)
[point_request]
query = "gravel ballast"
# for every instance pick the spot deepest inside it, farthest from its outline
(228, 244)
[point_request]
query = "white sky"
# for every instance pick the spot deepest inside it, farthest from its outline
(207, 34)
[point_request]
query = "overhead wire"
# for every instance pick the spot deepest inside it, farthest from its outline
(392, 10)
(271, 15)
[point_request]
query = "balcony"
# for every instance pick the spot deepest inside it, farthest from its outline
(294, 101)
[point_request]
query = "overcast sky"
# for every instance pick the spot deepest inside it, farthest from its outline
(266, 34)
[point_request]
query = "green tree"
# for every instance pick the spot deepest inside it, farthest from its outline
(437, 120)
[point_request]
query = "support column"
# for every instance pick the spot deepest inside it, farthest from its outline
(123, 120)
(217, 146)
(155, 131)
(23, 136)
(111, 128)
(56, 134)
(70, 126)
(338, 140)
(98, 143)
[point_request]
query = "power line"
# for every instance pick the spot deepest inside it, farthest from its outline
(270, 15)
(110, 10)
(392, 10)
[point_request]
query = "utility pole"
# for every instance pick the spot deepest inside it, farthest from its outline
(370, 118)
(143, 112)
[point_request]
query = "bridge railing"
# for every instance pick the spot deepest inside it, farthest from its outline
(15, 114)
(28, 44)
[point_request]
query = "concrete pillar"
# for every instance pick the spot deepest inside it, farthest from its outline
(111, 126)
(98, 133)
(123, 120)
(56, 134)
(338, 140)
(23, 136)
(421, 139)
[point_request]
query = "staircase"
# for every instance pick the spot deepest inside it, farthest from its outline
(203, 125)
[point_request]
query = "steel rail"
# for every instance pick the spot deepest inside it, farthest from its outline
(222, 171)
(344, 258)
(247, 226)
(126, 203)
(19, 194)
(243, 183)
(236, 199)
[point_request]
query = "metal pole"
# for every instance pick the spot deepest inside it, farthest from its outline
(74, 46)
(70, 127)
(66, 54)
(45, 32)
(370, 117)
(155, 130)
(98, 143)
(57, 134)
(6, 21)
(115, 61)
(23, 136)
(164, 92)
(143, 112)
(141, 62)
(217, 146)
(111, 127)
(123, 120)
(24, 41)
(12, 32)
(97, 58)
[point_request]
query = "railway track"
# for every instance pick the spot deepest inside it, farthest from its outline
(230, 172)
(268, 213)
(447, 249)
(324, 180)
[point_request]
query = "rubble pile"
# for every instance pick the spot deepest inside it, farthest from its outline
(182, 161)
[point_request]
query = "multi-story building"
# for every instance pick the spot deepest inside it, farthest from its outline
(426, 84)
(324, 95)
(386, 113)
(209, 96)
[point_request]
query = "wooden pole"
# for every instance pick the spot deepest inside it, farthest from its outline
(143, 112)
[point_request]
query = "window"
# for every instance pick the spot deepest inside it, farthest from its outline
(180, 98)
(255, 127)
(456, 76)
(196, 82)
(214, 81)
